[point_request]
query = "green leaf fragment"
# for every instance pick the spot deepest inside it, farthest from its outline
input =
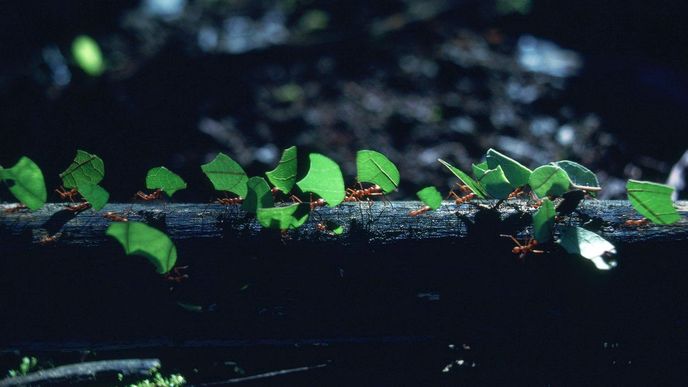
(473, 185)
(25, 181)
(165, 180)
(95, 194)
(479, 169)
(324, 178)
(543, 221)
(226, 175)
(87, 55)
(580, 176)
(495, 183)
(283, 218)
(653, 201)
(515, 172)
(334, 228)
(549, 180)
(284, 176)
(431, 197)
(258, 196)
(374, 167)
(85, 169)
(140, 239)
(577, 240)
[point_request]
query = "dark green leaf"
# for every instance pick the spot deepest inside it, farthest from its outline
(94, 194)
(431, 197)
(495, 183)
(653, 201)
(580, 176)
(284, 176)
(258, 196)
(85, 169)
(543, 221)
(140, 239)
(324, 178)
(226, 175)
(25, 181)
(577, 240)
(165, 180)
(374, 167)
(283, 218)
(515, 172)
(549, 180)
(473, 185)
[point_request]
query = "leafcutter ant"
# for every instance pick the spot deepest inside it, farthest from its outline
(17, 208)
(230, 201)
(355, 195)
(78, 208)
(155, 195)
(420, 211)
(516, 193)
(115, 217)
(636, 222)
(67, 195)
(523, 249)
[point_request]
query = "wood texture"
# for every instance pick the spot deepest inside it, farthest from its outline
(80, 371)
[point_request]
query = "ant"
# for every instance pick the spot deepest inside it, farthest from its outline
(355, 195)
(636, 222)
(516, 193)
(420, 211)
(524, 249)
(157, 194)
(15, 209)
(324, 228)
(115, 217)
(230, 201)
(312, 203)
(175, 275)
(78, 208)
(64, 194)
(49, 239)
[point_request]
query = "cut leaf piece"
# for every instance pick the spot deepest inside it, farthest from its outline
(431, 197)
(226, 175)
(140, 239)
(85, 169)
(515, 172)
(653, 201)
(25, 181)
(284, 176)
(324, 178)
(283, 218)
(543, 221)
(479, 169)
(333, 228)
(165, 180)
(94, 194)
(580, 176)
(258, 196)
(87, 55)
(473, 185)
(549, 180)
(577, 240)
(374, 167)
(495, 183)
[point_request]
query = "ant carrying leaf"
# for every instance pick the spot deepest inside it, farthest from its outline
(523, 249)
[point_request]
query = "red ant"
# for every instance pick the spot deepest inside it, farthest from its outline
(637, 222)
(322, 227)
(81, 207)
(313, 203)
(230, 201)
(420, 211)
(64, 194)
(525, 249)
(49, 239)
(355, 195)
(459, 200)
(157, 194)
(516, 193)
(17, 208)
(175, 275)
(115, 217)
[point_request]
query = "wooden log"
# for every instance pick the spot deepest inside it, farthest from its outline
(369, 222)
(86, 370)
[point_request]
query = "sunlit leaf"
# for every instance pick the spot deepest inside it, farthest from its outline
(324, 178)
(495, 183)
(543, 221)
(25, 181)
(165, 180)
(515, 172)
(284, 176)
(140, 239)
(283, 218)
(94, 194)
(479, 169)
(653, 201)
(87, 55)
(580, 176)
(226, 175)
(374, 167)
(85, 169)
(431, 197)
(258, 196)
(473, 185)
(549, 180)
(577, 240)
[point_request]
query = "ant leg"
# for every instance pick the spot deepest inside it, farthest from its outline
(513, 239)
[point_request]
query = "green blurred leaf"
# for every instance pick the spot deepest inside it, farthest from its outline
(473, 185)
(140, 239)
(313, 20)
(431, 197)
(258, 196)
(94, 194)
(284, 176)
(580, 176)
(577, 240)
(495, 183)
(549, 180)
(283, 218)
(87, 55)
(324, 178)
(653, 201)
(85, 169)
(374, 167)
(165, 180)
(25, 181)
(226, 175)
(543, 221)
(515, 172)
